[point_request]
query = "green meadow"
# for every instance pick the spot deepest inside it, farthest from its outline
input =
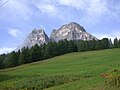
(90, 70)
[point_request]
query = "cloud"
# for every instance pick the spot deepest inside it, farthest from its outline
(46, 7)
(16, 9)
(6, 50)
(115, 34)
(15, 32)
(77, 4)
(96, 7)
(112, 35)
(93, 11)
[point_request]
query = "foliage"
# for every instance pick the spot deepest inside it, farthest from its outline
(52, 49)
(112, 78)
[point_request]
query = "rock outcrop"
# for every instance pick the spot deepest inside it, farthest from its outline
(35, 37)
(71, 31)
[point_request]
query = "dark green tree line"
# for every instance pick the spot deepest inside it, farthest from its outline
(52, 49)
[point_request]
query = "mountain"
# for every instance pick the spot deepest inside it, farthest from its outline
(71, 31)
(37, 36)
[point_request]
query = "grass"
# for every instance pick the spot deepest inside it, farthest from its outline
(74, 71)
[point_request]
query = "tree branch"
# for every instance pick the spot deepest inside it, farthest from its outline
(4, 3)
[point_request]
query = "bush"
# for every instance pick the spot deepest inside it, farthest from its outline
(112, 78)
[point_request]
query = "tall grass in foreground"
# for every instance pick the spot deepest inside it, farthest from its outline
(112, 78)
(93, 70)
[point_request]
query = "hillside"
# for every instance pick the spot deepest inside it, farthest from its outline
(74, 71)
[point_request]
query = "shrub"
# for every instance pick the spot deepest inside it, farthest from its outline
(112, 78)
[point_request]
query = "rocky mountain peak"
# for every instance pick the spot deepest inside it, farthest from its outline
(71, 31)
(38, 31)
(73, 26)
(37, 36)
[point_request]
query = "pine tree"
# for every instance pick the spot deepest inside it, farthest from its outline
(2, 58)
(11, 60)
(24, 56)
(82, 46)
(119, 43)
(110, 43)
(71, 46)
(105, 43)
(35, 53)
(116, 43)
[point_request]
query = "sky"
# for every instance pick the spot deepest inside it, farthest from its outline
(18, 18)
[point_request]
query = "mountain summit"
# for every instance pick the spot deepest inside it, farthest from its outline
(37, 36)
(71, 31)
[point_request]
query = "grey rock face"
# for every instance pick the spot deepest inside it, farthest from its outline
(35, 37)
(71, 31)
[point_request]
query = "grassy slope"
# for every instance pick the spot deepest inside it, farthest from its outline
(88, 65)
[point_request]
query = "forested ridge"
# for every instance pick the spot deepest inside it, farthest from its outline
(52, 49)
